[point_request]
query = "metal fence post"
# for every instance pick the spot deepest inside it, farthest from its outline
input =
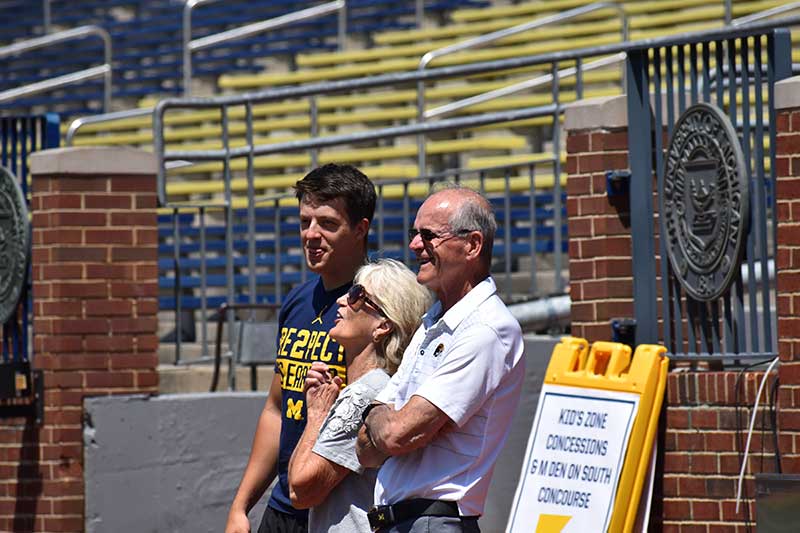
(641, 198)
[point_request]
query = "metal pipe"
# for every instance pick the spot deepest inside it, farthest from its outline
(47, 16)
(542, 314)
(368, 82)
(481, 40)
(728, 12)
(251, 209)
(313, 113)
(483, 67)
(487, 38)
(509, 90)
(56, 38)
(363, 136)
(342, 26)
(419, 13)
(229, 281)
(557, 201)
(203, 285)
(101, 71)
(45, 41)
(176, 259)
(761, 15)
(248, 30)
(272, 95)
(80, 122)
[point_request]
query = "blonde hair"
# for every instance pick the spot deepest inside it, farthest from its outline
(393, 286)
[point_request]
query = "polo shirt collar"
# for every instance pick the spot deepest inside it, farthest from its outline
(453, 317)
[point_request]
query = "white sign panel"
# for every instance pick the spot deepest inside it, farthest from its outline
(573, 461)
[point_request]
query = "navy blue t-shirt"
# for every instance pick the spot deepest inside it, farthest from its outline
(304, 321)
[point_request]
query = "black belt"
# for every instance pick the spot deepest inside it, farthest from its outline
(387, 515)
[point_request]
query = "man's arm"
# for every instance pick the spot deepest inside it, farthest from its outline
(368, 455)
(262, 467)
(400, 432)
(312, 477)
(451, 395)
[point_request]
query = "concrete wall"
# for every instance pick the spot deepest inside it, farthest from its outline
(172, 463)
(166, 463)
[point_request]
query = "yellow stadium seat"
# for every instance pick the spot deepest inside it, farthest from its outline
(504, 142)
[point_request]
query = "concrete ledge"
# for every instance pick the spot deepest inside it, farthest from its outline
(594, 113)
(88, 160)
(787, 93)
(610, 112)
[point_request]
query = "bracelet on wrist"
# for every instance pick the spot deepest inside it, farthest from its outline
(367, 410)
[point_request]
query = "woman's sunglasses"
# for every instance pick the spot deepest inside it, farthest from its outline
(358, 292)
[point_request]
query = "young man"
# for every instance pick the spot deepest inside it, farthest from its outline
(337, 203)
(441, 422)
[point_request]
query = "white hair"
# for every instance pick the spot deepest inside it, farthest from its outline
(393, 286)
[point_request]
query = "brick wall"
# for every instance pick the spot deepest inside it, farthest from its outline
(95, 285)
(705, 432)
(600, 274)
(702, 428)
(787, 266)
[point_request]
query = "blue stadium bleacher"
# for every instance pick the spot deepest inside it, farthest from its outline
(147, 49)
(190, 249)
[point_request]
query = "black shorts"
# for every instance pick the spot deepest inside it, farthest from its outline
(275, 521)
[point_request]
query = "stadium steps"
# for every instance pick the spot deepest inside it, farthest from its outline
(637, 7)
(503, 143)
(250, 82)
(294, 114)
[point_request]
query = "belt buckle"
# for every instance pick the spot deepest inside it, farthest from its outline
(380, 516)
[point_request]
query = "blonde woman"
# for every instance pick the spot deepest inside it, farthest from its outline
(375, 322)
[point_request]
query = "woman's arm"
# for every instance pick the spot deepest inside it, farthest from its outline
(312, 477)
(262, 467)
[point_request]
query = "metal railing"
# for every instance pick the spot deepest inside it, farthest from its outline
(369, 82)
(374, 81)
(190, 46)
(767, 13)
(532, 83)
(488, 38)
(419, 12)
(100, 71)
(80, 122)
(250, 150)
(524, 230)
(47, 15)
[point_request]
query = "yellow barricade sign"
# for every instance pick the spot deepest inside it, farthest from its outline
(589, 448)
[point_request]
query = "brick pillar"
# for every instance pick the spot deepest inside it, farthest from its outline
(787, 266)
(95, 288)
(601, 282)
(698, 449)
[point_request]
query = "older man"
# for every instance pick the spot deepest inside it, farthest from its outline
(441, 422)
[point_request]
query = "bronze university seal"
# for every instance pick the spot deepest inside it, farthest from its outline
(14, 244)
(704, 202)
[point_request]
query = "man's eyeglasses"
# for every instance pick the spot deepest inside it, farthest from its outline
(358, 292)
(428, 235)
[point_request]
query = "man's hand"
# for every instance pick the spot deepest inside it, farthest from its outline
(237, 522)
(321, 389)
(368, 455)
(415, 425)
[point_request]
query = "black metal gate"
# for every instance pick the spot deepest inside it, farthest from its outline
(20, 137)
(735, 72)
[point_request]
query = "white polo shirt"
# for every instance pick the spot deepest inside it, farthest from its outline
(469, 363)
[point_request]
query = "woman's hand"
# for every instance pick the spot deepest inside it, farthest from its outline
(321, 389)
